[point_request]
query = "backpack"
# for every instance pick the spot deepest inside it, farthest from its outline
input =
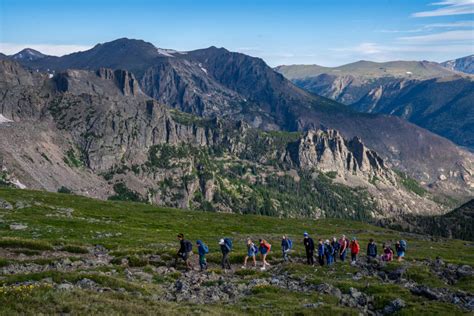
(290, 244)
(205, 248)
(228, 243)
(254, 249)
(403, 245)
(371, 250)
(188, 246)
(329, 250)
(267, 245)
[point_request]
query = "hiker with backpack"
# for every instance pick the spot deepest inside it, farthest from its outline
(400, 247)
(321, 251)
(328, 252)
(252, 252)
(387, 252)
(286, 245)
(226, 247)
(185, 251)
(264, 249)
(335, 247)
(355, 249)
(202, 251)
(371, 249)
(343, 245)
(309, 248)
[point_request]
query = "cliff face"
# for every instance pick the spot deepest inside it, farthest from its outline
(328, 151)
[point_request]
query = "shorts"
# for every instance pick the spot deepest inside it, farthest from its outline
(401, 253)
(185, 256)
(251, 253)
(263, 251)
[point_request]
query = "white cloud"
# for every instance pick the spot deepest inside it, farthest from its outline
(48, 49)
(456, 24)
(449, 7)
(463, 35)
(362, 48)
(434, 26)
(379, 52)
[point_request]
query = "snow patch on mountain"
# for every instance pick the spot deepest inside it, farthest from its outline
(166, 52)
(202, 68)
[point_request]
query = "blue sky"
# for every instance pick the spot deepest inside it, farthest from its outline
(325, 32)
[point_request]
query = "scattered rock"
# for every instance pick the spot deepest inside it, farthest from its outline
(329, 289)
(357, 276)
(5, 205)
(65, 287)
(18, 226)
(86, 284)
(464, 271)
(431, 294)
(397, 274)
(21, 205)
(393, 307)
(313, 305)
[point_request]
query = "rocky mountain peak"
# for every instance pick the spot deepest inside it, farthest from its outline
(329, 151)
(28, 54)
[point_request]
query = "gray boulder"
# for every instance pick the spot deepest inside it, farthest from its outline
(393, 307)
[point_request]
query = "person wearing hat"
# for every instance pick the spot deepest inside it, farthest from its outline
(309, 248)
(225, 249)
(355, 249)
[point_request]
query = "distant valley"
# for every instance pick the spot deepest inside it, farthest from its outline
(437, 97)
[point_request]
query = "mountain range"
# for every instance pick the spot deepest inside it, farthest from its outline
(215, 130)
(435, 96)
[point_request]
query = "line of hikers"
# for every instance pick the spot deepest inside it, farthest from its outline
(328, 251)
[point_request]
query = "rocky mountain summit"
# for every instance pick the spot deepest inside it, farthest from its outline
(96, 133)
(214, 82)
(28, 54)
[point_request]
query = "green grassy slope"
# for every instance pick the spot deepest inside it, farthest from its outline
(67, 225)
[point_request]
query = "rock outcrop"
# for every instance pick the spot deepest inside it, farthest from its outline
(328, 151)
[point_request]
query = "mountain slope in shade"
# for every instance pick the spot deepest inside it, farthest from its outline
(443, 106)
(458, 223)
(463, 64)
(215, 82)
